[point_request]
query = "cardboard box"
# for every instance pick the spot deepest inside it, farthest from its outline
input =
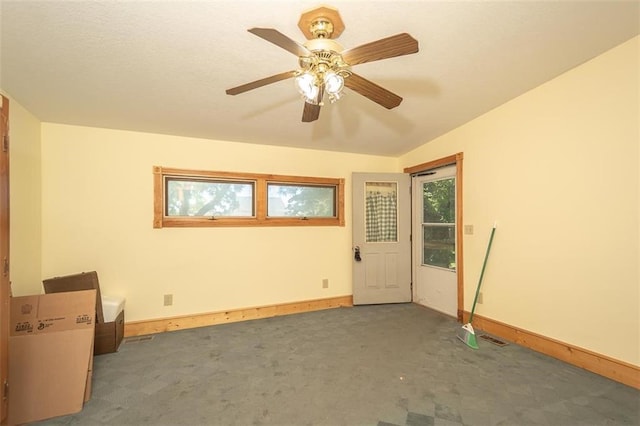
(50, 354)
(82, 281)
(87, 390)
(108, 334)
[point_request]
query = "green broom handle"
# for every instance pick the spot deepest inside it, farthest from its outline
(484, 265)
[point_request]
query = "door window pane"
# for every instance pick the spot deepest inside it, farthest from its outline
(439, 201)
(301, 200)
(201, 197)
(439, 246)
(438, 223)
(381, 212)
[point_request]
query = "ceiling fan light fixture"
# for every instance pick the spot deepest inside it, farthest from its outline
(306, 84)
(333, 82)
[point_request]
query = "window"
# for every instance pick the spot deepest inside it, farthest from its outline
(291, 200)
(190, 198)
(187, 197)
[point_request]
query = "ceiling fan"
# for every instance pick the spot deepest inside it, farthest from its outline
(325, 67)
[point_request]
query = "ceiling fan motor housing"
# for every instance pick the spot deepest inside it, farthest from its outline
(323, 44)
(326, 56)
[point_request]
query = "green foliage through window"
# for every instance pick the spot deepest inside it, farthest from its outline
(286, 200)
(439, 246)
(439, 201)
(188, 197)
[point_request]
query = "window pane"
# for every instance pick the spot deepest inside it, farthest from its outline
(209, 198)
(301, 201)
(439, 245)
(439, 201)
(381, 212)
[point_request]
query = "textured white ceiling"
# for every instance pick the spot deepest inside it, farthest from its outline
(163, 66)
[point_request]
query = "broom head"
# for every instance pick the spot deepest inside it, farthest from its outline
(468, 336)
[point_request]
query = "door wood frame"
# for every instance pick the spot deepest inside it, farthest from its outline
(455, 159)
(5, 290)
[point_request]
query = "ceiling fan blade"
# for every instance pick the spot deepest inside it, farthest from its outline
(259, 83)
(397, 45)
(311, 112)
(281, 40)
(368, 89)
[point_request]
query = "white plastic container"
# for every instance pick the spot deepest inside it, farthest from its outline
(111, 307)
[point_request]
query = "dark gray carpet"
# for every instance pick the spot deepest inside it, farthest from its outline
(368, 365)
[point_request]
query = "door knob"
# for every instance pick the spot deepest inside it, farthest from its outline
(357, 254)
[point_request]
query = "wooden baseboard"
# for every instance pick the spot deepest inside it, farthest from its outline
(140, 328)
(603, 365)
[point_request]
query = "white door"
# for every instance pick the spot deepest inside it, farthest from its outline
(381, 254)
(434, 242)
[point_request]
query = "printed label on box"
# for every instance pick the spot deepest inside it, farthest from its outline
(83, 319)
(24, 327)
(44, 324)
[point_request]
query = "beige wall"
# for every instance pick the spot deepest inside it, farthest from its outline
(98, 209)
(558, 169)
(24, 181)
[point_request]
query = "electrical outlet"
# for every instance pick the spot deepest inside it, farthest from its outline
(480, 298)
(468, 229)
(325, 283)
(168, 299)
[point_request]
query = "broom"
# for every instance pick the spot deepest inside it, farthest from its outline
(466, 332)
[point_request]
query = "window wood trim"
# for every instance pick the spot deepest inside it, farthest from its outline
(261, 219)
